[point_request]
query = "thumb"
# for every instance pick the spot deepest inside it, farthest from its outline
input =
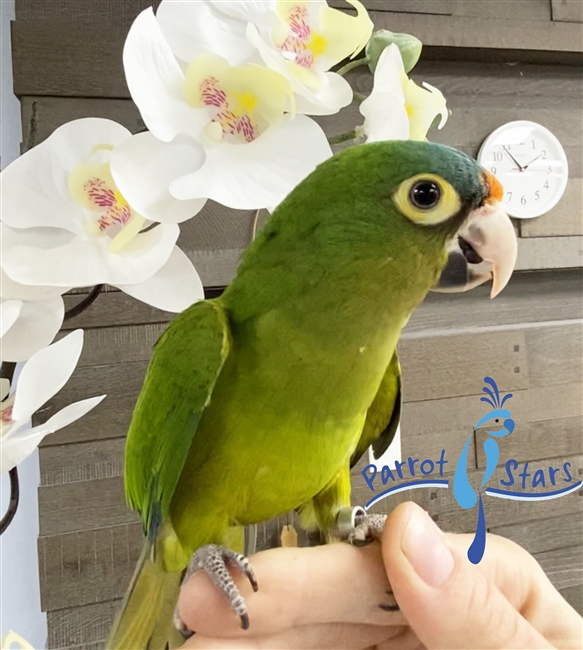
(447, 601)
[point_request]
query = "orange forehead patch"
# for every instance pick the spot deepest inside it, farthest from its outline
(494, 187)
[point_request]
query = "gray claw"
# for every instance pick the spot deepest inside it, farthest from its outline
(359, 528)
(214, 560)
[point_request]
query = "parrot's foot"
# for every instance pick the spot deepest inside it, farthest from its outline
(359, 528)
(214, 560)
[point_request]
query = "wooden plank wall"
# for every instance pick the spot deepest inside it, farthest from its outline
(495, 62)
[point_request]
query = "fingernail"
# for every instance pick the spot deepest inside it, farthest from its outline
(425, 548)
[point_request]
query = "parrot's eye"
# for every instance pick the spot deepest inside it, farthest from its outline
(425, 195)
(427, 199)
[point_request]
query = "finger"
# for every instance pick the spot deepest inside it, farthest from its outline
(336, 636)
(448, 601)
(522, 581)
(297, 586)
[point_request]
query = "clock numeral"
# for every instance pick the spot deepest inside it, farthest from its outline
(498, 156)
(546, 185)
(523, 200)
(544, 155)
(537, 196)
(493, 170)
(509, 195)
(533, 145)
(550, 170)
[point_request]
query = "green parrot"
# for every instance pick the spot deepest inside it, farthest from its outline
(256, 403)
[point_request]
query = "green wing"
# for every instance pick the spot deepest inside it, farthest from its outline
(187, 360)
(383, 415)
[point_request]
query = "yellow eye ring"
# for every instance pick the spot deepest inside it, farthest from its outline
(427, 199)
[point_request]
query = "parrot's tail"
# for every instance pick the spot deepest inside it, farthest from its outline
(146, 617)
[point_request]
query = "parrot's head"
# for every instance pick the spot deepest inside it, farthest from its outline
(433, 195)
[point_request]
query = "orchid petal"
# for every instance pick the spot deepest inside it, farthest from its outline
(53, 258)
(323, 93)
(143, 168)
(35, 190)
(37, 325)
(423, 106)
(335, 94)
(156, 82)
(250, 11)
(10, 312)
(345, 35)
(15, 448)
(11, 290)
(173, 288)
(385, 118)
(192, 28)
(384, 109)
(45, 373)
(260, 173)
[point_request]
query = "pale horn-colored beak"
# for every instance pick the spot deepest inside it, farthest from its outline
(485, 248)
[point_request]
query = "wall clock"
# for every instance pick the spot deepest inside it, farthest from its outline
(530, 163)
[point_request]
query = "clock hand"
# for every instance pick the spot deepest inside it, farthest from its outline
(520, 168)
(530, 163)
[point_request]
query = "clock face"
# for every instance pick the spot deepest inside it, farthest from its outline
(530, 163)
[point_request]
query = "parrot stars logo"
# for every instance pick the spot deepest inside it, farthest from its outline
(497, 423)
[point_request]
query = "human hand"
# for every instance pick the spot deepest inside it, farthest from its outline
(332, 596)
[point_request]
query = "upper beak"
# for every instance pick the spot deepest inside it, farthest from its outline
(485, 248)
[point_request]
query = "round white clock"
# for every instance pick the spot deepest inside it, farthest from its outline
(530, 163)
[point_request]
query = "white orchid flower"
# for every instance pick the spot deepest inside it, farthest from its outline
(30, 318)
(309, 39)
(301, 39)
(397, 108)
(43, 375)
(65, 223)
(221, 132)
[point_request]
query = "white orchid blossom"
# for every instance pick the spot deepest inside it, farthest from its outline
(397, 108)
(30, 318)
(300, 39)
(221, 132)
(65, 223)
(43, 375)
(309, 39)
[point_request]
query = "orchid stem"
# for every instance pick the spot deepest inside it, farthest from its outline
(14, 498)
(351, 65)
(358, 97)
(343, 137)
(7, 372)
(81, 306)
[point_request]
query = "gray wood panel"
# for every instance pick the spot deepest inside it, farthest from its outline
(460, 32)
(574, 596)
(432, 7)
(546, 535)
(570, 11)
(550, 253)
(80, 626)
(88, 566)
(566, 218)
(74, 11)
(564, 567)
(44, 51)
(529, 298)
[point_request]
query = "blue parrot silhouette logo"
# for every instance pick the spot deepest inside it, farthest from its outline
(464, 493)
